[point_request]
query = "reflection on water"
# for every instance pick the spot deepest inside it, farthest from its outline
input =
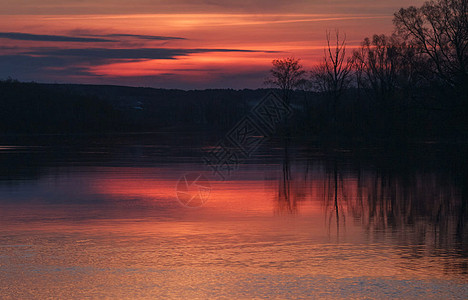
(98, 217)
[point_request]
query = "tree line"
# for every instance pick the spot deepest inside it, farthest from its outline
(413, 82)
(30, 108)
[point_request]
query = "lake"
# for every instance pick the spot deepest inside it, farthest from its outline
(108, 217)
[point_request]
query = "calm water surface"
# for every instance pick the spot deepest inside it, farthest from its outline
(98, 217)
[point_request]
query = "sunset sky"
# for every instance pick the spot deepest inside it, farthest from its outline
(183, 44)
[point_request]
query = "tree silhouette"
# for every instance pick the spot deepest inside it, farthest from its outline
(439, 30)
(286, 74)
(377, 65)
(332, 75)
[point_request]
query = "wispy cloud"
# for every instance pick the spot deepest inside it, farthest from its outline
(80, 7)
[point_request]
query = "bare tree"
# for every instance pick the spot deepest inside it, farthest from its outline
(439, 30)
(286, 74)
(377, 65)
(332, 75)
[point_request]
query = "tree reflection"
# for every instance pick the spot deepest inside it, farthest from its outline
(411, 202)
(286, 198)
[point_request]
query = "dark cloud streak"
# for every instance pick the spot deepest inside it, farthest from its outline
(49, 38)
(64, 70)
(56, 64)
(143, 37)
(144, 53)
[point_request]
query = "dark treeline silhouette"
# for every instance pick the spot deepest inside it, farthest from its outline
(68, 108)
(46, 108)
(33, 108)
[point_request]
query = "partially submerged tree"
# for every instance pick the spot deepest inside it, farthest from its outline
(286, 74)
(332, 76)
(439, 31)
(376, 64)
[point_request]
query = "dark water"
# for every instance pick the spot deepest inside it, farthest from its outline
(96, 217)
